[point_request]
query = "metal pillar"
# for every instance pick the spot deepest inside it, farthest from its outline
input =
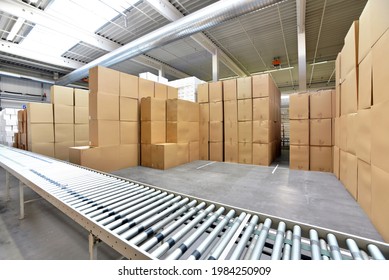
(21, 200)
(215, 66)
(302, 59)
(7, 186)
(93, 241)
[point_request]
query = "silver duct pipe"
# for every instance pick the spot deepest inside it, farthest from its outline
(201, 20)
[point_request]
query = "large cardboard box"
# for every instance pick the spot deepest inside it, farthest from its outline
(81, 97)
(349, 55)
(102, 79)
(333, 103)
(262, 109)
(299, 132)
(62, 95)
(216, 111)
(320, 159)
(182, 153)
(216, 131)
(365, 89)
(263, 85)
(244, 88)
(338, 93)
(160, 91)
(338, 78)
(352, 175)
(154, 132)
(81, 133)
(263, 153)
(104, 133)
(129, 133)
(204, 139)
(332, 132)
(46, 149)
(182, 132)
(231, 153)
(204, 112)
(203, 93)
(379, 200)
(61, 150)
(105, 158)
(40, 113)
(164, 155)
(153, 109)
(216, 91)
(81, 115)
(229, 90)
(63, 114)
(364, 186)
(351, 133)
(320, 132)
(378, 19)
(230, 131)
(245, 132)
(337, 131)
(299, 157)
(103, 106)
(343, 132)
(263, 132)
(349, 93)
(231, 110)
(343, 167)
(129, 109)
(145, 155)
(363, 135)
(299, 106)
(172, 92)
(320, 105)
(245, 152)
(380, 136)
(129, 86)
(64, 133)
(380, 71)
(182, 110)
(40, 133)
(365, 43)
(146, 88)
(245, 110)
(216, 151)
(336, 161)
(194, 151)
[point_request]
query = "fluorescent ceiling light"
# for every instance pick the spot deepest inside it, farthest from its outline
(15, 29)
(273, 70)
(322, 62)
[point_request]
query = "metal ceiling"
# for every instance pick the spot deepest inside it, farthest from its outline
(251, 41)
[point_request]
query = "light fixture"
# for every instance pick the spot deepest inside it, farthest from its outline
(34, 1)
(273, 70)
(322, 62)
(15, 29)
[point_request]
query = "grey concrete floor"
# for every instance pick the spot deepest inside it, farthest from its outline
(311, 197)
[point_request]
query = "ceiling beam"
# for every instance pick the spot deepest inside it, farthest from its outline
(302, 52)
(167, 10)
(60, 25)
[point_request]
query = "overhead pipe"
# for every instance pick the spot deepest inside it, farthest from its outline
(198, 21)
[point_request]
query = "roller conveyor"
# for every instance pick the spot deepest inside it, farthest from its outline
(146, 222)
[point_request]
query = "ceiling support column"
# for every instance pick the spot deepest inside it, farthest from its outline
(302, 56)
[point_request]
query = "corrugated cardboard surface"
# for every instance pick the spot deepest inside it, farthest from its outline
(146, 88)
(203, 93)
(380, 71)
(104, 133)
(154, 132)
(262, 154)
(146, 155)
(216, 151)
(129, 86)
(216, 111)
(244, 88)
(62, 95)
(299, 106)
(102, 106)
(172, 92)
(299, 132)
(104, 79)
(204, 112)
(81, 133)
(231, 110)
(299, 157)
(352, 175)
(263, 132)
(164, 155)
(40, 113)
(153, 109)
(230, 131)
(129, 109)
(46, 149)
(349, 93)
(263, 85)
(365, 89)
(81, 97)
(216, 131)
(351, 133)
(61, 150)
(215, 91)
(343, 167)
(343, 133)
(182, 110)
(320, 159)
(64, 132)
(40, 133)
(336, 163)
(349, 58)
(364, 186)
(245, 131)
(181, 132)
(129, 133)
(320, 132)
(245, 153)
(194, 151)
(245, 110)
(231, 151)
(81, 115)
(160, 91)
(320, 105)
(262, 109)
(230, 90)
(363, 135)
(380, 136)
(365, 34)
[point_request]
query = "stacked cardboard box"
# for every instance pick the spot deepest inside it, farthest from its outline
(230, 104)
(216, 135)
(40, 128)
(22, 129)
(81, 117)
(245, 120)
(203, 99)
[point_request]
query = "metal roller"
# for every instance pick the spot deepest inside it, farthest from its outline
(334, 247)
(257, 251)
(245, 238)
(354, 250)
(279, 242)
(315, 245)
(287, 247)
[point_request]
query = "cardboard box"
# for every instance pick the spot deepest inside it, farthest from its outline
(81, 115)
(46, 149)
(378, 19)
(352, 175)
(299, 132)
(320, 159)
(380, 72)
(363, 135)
(62, 95)
(263, 132)
(81, 133)
(128, 109)
(64, 133)
(129, 86)
(203, 93)
(229, 90)
(299, 106)
(364, 43)
(102, 79)
(333, 103)
(216, 131)
(40, 133)
(351, 133)
(349, 93)
(245, 152)
(332, 132)
(365, 85)
(182, 110)
(204, 139)
(153, 109)
(349, 57)
(245, 131)
(338, 78)
(245, 110)
(231, 152)
(320, 132)
(299, 157)
(21, 116)
(337, 131)
(160, 91)
(216, 151)
(146, 88)
(172, 92)
(320, 105)
(164, 155)
(104, 133)
(244, 88)
(263, 85)
(81, 143)
(194, 151)
(61, 150)
(63, 114)
(262, 109)
(380, 136)
(129, 133)
(216, 111)
(182, 132)
(231, 110)
(343, 132)
(364, 186)
(230, 131)
(182, 153)
(145, 155)
(81, 97)
(40, 113)
(204, 112)
(379, 200)
(216, 91)
(154, 132)
(336, 163)
(103, 106)
(338, 89)
(343, 167)
(263, 153)
(105, 159)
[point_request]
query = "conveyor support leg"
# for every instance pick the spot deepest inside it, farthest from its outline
(21, 200)
(93, 240)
